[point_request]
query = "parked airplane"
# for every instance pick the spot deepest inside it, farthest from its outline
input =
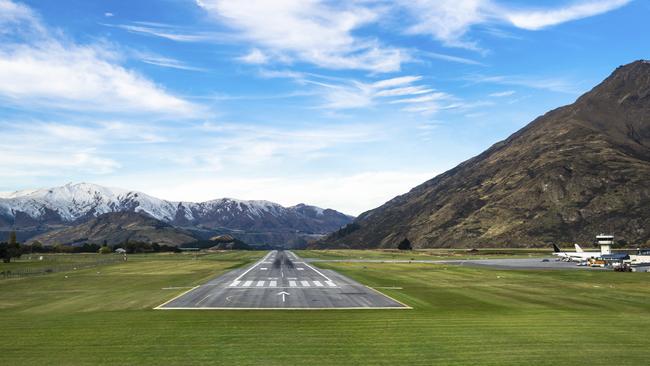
(578, 256)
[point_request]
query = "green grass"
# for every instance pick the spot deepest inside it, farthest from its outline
(421, 254)
(461, 316)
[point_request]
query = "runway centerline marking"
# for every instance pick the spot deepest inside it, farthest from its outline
(254, 265)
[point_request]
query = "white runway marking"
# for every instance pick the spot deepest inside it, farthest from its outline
(330, 283)
(255, 265)
(273, 284)
(314, 269)
(203, 299)
(300, 269)
(260, 283)
(263, 269)
(247, 283)
(318, 284)
(235, 283)
(292, 283)
(305, 283)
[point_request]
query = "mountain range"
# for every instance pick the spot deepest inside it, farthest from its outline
(35, 212)
(571, 174)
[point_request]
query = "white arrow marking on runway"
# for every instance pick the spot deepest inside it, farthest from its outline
(283, 293)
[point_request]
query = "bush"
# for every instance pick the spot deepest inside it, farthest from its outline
(405, 245)
(105, 250)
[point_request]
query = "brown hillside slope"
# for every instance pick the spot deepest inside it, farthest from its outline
(575, 172)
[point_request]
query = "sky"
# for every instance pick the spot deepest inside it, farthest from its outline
(339, 104)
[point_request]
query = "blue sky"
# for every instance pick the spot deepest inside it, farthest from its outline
(341, 104)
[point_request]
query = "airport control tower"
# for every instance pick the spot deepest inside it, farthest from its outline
(605, 242)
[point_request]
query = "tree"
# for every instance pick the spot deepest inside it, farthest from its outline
(104, 250)
(405, 245)
(8, 251)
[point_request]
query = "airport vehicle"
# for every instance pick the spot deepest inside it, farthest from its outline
(578, 256)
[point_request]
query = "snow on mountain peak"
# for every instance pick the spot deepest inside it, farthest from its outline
(74, 201)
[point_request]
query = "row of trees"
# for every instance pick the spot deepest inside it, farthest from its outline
(13, 249)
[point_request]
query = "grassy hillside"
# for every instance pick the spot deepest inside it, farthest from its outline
(461, 315)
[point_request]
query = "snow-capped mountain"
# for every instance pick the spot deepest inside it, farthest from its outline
(75, 203)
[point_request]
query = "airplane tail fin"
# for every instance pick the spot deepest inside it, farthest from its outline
(556, 249)
(578, 249)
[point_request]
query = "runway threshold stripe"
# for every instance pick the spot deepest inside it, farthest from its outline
(260, 283)
(318, 284)
(292, 283)
(235, 283)
(273, 284)
(330, 283)
(247, 283)
(305, 283)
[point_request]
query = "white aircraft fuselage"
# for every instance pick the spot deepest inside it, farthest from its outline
(578, 256)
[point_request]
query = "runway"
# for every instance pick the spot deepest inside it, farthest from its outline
(282, 280)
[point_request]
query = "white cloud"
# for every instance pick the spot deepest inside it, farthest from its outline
(538, 19)
(449, 21)
(109, 15)
(255, 56)
(312, 31)
(51, 71)
(446, 20)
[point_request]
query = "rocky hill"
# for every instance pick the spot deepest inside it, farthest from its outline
(571, 174)
(117, 228)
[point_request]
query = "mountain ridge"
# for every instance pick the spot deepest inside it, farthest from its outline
(571, 173)
(76, 203)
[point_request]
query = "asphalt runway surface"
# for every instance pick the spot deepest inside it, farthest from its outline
(282, 280)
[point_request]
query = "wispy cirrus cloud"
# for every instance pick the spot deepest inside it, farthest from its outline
(535, 19)
(554, 84)
(449, 21)
(505, 93)
(167, 31)
(167, 62)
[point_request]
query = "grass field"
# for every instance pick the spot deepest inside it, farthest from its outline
(423, 254)
(461, 315)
